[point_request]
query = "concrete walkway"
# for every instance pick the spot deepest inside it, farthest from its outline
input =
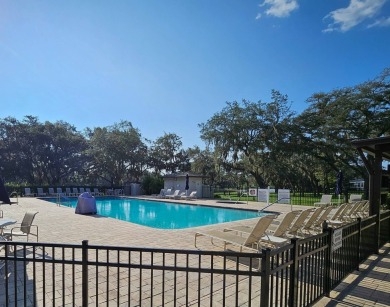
(370, 286)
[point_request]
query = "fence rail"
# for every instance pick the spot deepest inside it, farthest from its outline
(298, 274)
(296, 198)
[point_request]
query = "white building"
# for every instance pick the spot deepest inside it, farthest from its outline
(177, 181)
(356, 184)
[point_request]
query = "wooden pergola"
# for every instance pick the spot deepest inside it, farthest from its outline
(379, 149)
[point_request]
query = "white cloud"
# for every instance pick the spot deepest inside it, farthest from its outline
(279, 8)
(383, 22)
(358, 11)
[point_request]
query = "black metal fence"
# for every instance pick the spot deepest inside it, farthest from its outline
(296, 197)
(41, 274)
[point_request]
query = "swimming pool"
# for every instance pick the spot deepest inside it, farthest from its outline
(163, 215)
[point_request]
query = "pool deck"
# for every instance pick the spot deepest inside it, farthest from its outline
(367, 287)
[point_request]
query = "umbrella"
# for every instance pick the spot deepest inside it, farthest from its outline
(3, 193)
(187, 183)
(339, 184)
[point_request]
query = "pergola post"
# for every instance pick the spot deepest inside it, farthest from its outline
(375, 184)
(379, 150)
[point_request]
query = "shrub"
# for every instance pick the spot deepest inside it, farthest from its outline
(152, 184)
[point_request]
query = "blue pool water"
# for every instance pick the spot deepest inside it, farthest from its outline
(163, 215)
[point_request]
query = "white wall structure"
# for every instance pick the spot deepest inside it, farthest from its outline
(177, 181)
(135, 189)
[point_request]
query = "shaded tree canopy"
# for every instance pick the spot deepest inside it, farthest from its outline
(277, 147)
(251, 137)
(333, 119)
(37, 152)
(117, 153)
(166, 154)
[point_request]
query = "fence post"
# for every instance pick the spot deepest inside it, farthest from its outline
(377, 232)
(84, 289)
(293, 293)
(358, 253)
(328, 259)
(266, 270)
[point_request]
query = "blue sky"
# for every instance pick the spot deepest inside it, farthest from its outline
(167, 66)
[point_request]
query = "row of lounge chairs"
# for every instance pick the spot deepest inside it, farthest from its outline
(326, 200)
(59, 191)
(273, 231)
(177, 194)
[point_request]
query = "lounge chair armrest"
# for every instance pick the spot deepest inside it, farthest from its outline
(239, 232)
(19, 228)
(17, 225)
(15, 229)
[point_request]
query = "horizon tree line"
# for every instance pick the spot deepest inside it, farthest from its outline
(260, 143)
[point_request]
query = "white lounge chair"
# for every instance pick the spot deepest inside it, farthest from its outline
(174, 195)
(326, 200)
(167, 193)
(274, 237)
(189, 197)
(181, 194)
(60, 192)
(364, 210)
(338, 219)
(247, 240)
(69, 192)
(317, 224)
(40, 192)
(306, 227)
(118, 192)
(160, 195)
(355, 197)
(298, 224)
(358, 206)
(28, 193)
(96, 192)
(88, 190)
(51, 192)
(75, 191)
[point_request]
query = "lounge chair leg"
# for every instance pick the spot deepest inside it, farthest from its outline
(196, 235)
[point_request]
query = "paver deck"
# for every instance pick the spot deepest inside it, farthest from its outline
(370, 286)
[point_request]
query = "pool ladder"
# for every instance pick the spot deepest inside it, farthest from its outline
(63, 201)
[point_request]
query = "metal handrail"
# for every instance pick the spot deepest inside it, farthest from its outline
(275, 202)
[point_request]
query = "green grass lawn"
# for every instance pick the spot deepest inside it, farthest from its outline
(307, 199)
